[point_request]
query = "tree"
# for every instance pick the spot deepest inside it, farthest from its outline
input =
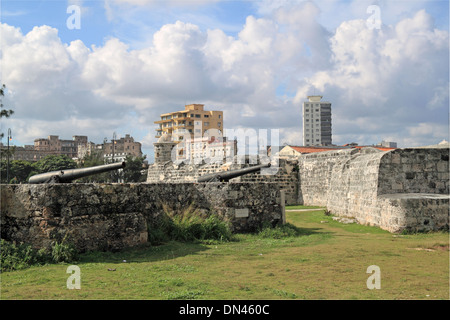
(54, 163)
(92, 160)
(4, 113)
(19, 171)
(133, 171)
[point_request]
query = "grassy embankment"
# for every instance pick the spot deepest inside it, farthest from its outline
(318, 259)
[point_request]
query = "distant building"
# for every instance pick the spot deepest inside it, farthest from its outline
(192, 118)
(88, 149)
(26, 153)
(316, 122)
(192, 123)
(214, 149)
(76, 149)
(387, 144)
(55, 146)
(118, 150)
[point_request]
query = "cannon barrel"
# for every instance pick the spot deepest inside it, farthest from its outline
(64, 176)
(225, 176)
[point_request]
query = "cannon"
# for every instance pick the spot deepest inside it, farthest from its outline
(225, 176)
(67, 176)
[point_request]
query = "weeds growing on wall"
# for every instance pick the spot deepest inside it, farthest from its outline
(188, 225)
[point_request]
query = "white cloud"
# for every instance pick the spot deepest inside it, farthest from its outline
(384, 80)
(418, 134)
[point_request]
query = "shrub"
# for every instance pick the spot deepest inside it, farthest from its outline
(15, 257)
(188, 225)
(21, 256)
(63, 252)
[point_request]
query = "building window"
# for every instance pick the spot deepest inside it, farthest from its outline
(197, 116)
(206, 115)
(219, 124)
(307, 120)
(206, 123)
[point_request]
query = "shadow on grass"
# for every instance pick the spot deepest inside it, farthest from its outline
(175, 249)
(288, 230)
(145, 253)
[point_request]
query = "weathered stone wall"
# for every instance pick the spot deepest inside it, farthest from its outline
(286, 174)
(114, 216)
(315, 174)
(365, 184)
(417, 212)
(414, 170)
(353, 182)
(286, 177)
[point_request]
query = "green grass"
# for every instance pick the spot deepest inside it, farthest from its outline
(312, 257)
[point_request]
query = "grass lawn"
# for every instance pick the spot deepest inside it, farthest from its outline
(326, 260)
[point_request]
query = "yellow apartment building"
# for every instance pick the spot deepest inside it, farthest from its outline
(191, 122)
(194, 119)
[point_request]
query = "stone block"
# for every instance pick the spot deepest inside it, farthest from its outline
(395, 158)
(241, 213)
(442, 166)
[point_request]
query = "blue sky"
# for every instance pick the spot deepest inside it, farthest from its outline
(132, 24)
(257, 60)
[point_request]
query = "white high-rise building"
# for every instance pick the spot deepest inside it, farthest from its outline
(316, 122)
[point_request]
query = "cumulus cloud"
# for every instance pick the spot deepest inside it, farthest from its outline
(388, 79)
(389, 82)
(45, 87)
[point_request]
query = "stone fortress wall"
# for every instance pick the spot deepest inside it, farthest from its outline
(285, 174)
(401, 189)
(114, 216)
